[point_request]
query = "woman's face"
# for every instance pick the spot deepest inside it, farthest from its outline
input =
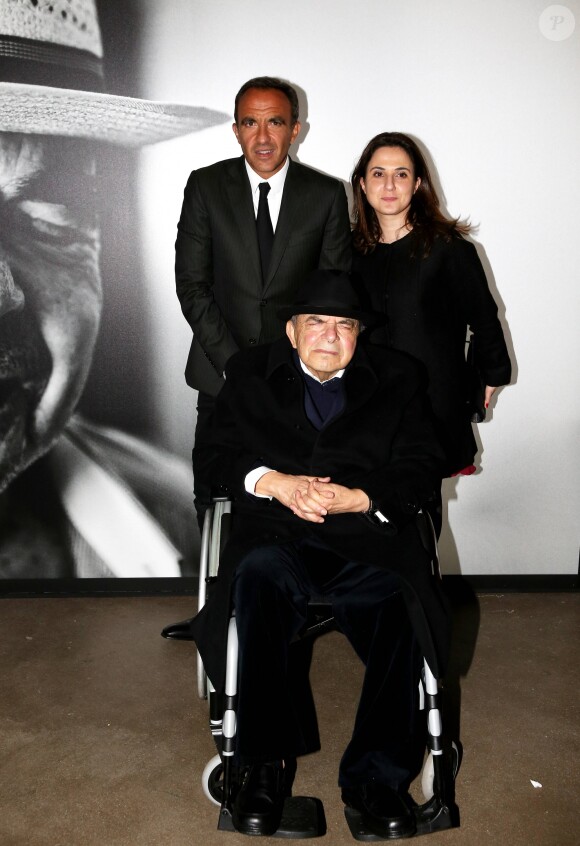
(389, 183)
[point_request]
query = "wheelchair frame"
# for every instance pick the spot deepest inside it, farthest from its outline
(303, 816)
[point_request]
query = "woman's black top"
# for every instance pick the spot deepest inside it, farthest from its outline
(429, 303)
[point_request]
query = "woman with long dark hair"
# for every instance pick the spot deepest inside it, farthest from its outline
(418, 268)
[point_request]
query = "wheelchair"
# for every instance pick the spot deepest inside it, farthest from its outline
(303, 817)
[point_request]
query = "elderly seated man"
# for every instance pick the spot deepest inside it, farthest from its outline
(327, 448)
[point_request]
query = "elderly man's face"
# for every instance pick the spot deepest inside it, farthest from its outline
(50, 290)
(324, 344)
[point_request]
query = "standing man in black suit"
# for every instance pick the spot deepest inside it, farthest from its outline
(241, 248)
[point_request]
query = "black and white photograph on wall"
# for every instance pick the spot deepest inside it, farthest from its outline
(86, 491)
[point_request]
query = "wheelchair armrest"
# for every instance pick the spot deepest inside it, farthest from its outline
(220, 493)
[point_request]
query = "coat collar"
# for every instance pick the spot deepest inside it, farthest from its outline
(360, 377)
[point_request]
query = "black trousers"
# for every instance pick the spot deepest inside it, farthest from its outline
(276, 715)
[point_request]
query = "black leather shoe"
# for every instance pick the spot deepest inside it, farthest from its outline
(258, 806)
(383, 811)
(179, 631)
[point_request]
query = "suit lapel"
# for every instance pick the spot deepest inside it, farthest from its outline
(292, 203)
(240, 197)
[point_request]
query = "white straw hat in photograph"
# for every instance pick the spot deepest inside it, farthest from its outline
(51, 80)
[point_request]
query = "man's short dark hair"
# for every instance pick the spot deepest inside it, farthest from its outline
(266, 83)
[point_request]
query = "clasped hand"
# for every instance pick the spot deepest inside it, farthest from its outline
(312, 497)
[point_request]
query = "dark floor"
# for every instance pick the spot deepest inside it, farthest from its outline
(103, 739)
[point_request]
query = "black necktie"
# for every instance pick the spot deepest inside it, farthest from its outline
(264, 228)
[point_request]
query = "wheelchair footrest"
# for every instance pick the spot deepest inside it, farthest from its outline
(432, 816)
(302, 817)
(178, 631)
(436, 815)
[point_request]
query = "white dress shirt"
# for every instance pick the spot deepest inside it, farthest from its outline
(276, 184)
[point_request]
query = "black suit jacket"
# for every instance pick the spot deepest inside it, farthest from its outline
(217, 260)
(382, 442)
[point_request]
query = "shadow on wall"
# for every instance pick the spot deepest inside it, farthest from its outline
(303, 134)
(450, 491)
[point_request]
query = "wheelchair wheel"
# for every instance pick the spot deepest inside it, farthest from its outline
(428, 774)
(212, 780)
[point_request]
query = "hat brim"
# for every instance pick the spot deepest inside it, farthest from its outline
(125, 121)
(368, 319)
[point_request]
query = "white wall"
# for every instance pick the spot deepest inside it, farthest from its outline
(495, 102)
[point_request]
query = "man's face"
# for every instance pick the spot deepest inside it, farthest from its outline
(264, 129)
(324, 344)
(50, 290)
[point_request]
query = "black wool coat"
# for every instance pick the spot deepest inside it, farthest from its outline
(382, 442)
(429, 303)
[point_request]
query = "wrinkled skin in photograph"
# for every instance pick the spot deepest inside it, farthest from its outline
(50, 308)
(50, 290)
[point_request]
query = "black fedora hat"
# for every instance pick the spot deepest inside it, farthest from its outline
(333, 293)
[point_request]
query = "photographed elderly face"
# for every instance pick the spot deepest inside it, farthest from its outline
(50, 290)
